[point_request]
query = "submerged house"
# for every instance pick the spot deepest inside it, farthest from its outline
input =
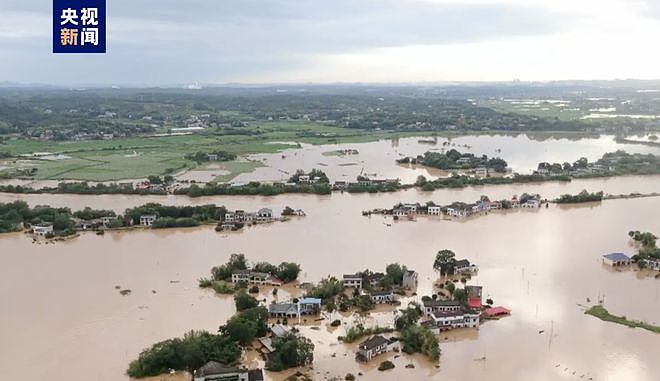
(375, 346)
(464, 266)
(215, 371)
(434, 210)
(653, 264)
(410, 279)
(353, 280)
(148, 219)
(455, 319)
(474, 296)
(42, 229)
(264, 215)
(254, 277)
(430, 306)
(495, 312)
(616, 259)
(304, 306)
(381, 297)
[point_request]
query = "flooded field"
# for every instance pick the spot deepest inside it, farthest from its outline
(61, 311)
(522, 152)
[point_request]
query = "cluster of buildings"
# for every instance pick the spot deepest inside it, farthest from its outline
(295, 308)
(364, 182)
(461, 209)
(445, 314)
(96, 223)
(557, 170)
(359, 281)
(621, 260)
(276, 330)
(236, 218)
(255, 277)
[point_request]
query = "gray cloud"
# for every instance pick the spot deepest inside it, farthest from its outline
(170, 41)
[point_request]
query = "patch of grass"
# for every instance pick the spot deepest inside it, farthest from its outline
(602, 313)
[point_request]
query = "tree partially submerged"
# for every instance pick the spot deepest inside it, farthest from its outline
(291, 350)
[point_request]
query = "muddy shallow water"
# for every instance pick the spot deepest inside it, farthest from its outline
(63, 319)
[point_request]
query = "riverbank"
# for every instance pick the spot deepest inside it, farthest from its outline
(603, 314)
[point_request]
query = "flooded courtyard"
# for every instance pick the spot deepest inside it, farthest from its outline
(61, 307)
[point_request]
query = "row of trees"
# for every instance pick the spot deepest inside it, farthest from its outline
(254, 188)
(17, 215)
(454, 159)
(171, 214)
(583, 196)
(202, 157)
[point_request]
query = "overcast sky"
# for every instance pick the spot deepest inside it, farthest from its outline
(161, 42)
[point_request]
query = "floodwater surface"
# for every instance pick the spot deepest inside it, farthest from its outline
(64, 319)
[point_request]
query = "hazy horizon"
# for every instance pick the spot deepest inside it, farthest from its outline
(251, 42)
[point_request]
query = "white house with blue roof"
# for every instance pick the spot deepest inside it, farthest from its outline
(616, 259)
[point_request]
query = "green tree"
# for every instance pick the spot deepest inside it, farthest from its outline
(244, 301)
(408, 317)
(288, 271)
(421, 340)
(444, 262)
(291, 351)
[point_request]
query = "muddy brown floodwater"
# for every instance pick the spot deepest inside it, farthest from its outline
(63, 319)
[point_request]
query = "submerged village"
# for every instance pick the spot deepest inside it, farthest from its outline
(270, 327)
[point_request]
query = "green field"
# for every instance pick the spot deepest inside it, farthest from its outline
(139, 157)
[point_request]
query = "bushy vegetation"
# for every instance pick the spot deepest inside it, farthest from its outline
(327, 288)
(648, 248)
(177, 215)
(386, 365)
(235, 262)
(247, 325)
(244, 301)
(444, 262)
(14, 216)
(313, 174)
(92, 214)
(454, 159)
(291, 350)
(285, 271)
(188, 353)
(202, 157)
(408, 317)
(254, 188)
(583, 196)
(169, 222)
(418, 339)
(358, 331)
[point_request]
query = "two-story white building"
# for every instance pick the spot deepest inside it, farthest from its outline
(435, 210)
(375, 346)
(42, 229)
(148, 219)
(455, 319)
(430, 306)
(353, 280)
(382, 297)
